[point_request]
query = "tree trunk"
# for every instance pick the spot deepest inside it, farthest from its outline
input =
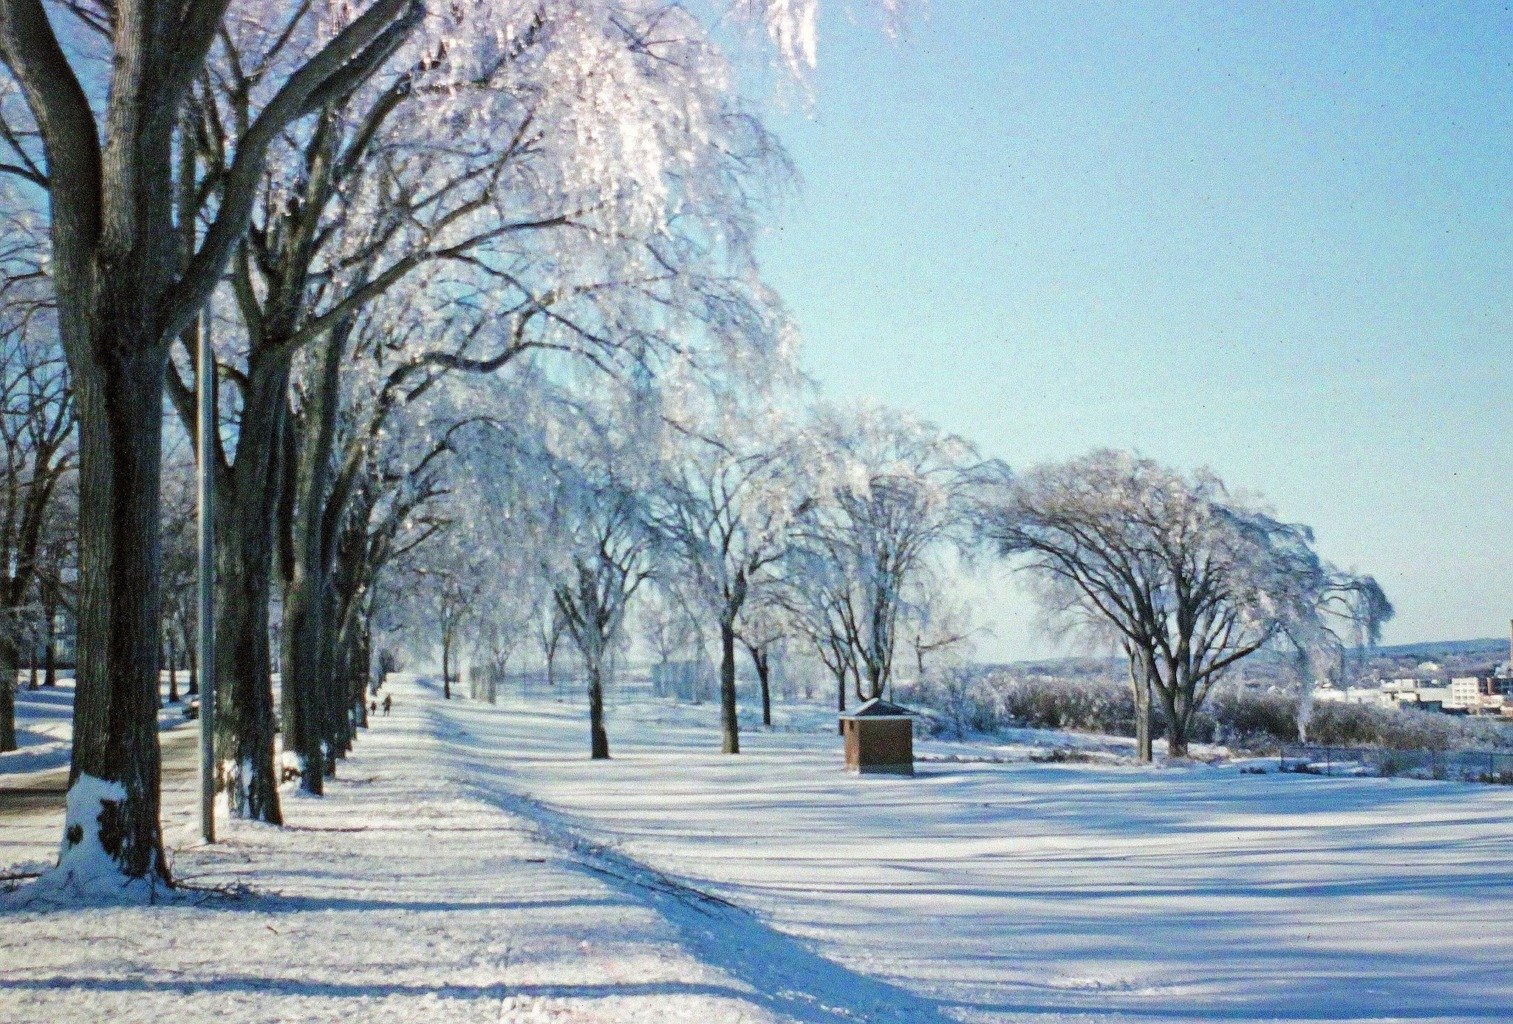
(1141, 686)
(192, 651)
(50, 652)
(173, 669)
(244, 713)
(247, 501)
(763, 665)
(446, 669)
(840, 698)
(362, 669)
(730, 730)
(9, 658)
(1178, 723)
(309, 646)
(598, 739)
(113, 801)
(304, 664)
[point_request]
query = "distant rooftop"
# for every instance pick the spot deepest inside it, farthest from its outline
(878, 708)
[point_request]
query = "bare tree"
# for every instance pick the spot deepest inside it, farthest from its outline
(724, 509)
(892, 494)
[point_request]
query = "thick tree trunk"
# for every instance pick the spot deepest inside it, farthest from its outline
(840, 699)
(362, 673)
(244, 713)
(9, 657)
(1178, 723)
(246, 498)
(730, 729)
(598, 739)
(309, 643)
(113, 800)
(305, 661)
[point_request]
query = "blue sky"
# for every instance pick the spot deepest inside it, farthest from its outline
(1275, 239)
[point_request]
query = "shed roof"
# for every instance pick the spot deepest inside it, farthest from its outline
(879, 708)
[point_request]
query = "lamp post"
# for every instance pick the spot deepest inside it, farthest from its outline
(206, 433)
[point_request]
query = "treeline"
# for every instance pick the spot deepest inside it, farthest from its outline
(494, 361)
(370, 209)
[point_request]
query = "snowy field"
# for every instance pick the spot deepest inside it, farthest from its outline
(1012, 891)
(472, 865)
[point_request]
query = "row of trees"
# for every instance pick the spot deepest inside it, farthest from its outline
(365, 204)
(830, 530)
(744, 524)
(488, 333)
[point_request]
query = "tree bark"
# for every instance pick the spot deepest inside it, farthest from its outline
(173, 669)
(309, 654)
(50, 670)
(598, 739)
(1178, 723)
(115, 736)
(247, 497)
(763, 665)
(50, 653)
(1140, 684)
(9, 659)
(193, 690)
(244, 718)
(730, 730)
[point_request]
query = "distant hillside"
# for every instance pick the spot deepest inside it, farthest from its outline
(1451, 655)
(1493, 648)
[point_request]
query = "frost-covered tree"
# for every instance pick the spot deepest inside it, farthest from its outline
(1189, 577)
(937, 623)
(581, 494)
(140, 242)
(893, 494)
(732, 489)
(130, 274)
(763, 629)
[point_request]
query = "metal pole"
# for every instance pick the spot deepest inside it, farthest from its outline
(206, 431)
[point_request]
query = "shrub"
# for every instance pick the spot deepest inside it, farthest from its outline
(963, 702)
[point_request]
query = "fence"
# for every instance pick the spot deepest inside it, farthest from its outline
(1495, 766)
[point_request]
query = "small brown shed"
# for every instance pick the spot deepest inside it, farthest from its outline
(879, 739)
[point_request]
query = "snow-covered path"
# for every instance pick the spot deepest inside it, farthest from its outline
(411, 894)
(1052, 892)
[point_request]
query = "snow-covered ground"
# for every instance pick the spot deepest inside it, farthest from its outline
(44, 727)
(472, 864)
(1021, 890)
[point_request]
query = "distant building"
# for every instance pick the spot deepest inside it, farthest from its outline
(1371, 695)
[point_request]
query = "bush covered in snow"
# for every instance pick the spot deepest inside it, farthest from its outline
(984, 702)
(967, 702)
